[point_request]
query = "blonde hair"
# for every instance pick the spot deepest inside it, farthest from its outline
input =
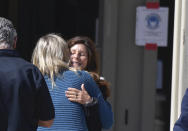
(51, 55)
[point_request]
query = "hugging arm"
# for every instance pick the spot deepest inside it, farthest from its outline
(90, 106)
(92, 99)
(105, 109)
(80, 96)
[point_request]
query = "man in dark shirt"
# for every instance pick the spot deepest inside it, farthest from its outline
(25, 101)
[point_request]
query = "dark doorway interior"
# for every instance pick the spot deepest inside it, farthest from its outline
(163, 95)
(39, 17)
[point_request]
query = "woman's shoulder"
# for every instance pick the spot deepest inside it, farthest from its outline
(80, 73)
(74, 71)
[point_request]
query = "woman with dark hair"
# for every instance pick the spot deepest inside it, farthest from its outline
(84, 56)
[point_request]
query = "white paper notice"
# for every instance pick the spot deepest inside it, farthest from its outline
(151, 26)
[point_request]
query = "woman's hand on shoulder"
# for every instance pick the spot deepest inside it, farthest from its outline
(79, 96)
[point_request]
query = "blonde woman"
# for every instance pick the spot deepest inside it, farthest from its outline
(51, 56)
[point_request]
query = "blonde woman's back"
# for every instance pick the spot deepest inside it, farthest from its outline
(69, 116)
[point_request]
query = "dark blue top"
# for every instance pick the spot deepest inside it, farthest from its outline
(70, 115)
(24, 96)
(182, 123)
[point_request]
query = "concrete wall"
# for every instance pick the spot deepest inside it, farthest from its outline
(130, 69)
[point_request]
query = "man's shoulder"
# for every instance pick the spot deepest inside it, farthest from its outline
(25, 66)
(26, 63)
(16, 63)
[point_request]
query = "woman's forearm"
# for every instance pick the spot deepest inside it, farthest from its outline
(105, 112)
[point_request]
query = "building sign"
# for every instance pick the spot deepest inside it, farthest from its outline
(152, 26)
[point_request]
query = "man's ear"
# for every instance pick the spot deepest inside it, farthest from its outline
(14, 44)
